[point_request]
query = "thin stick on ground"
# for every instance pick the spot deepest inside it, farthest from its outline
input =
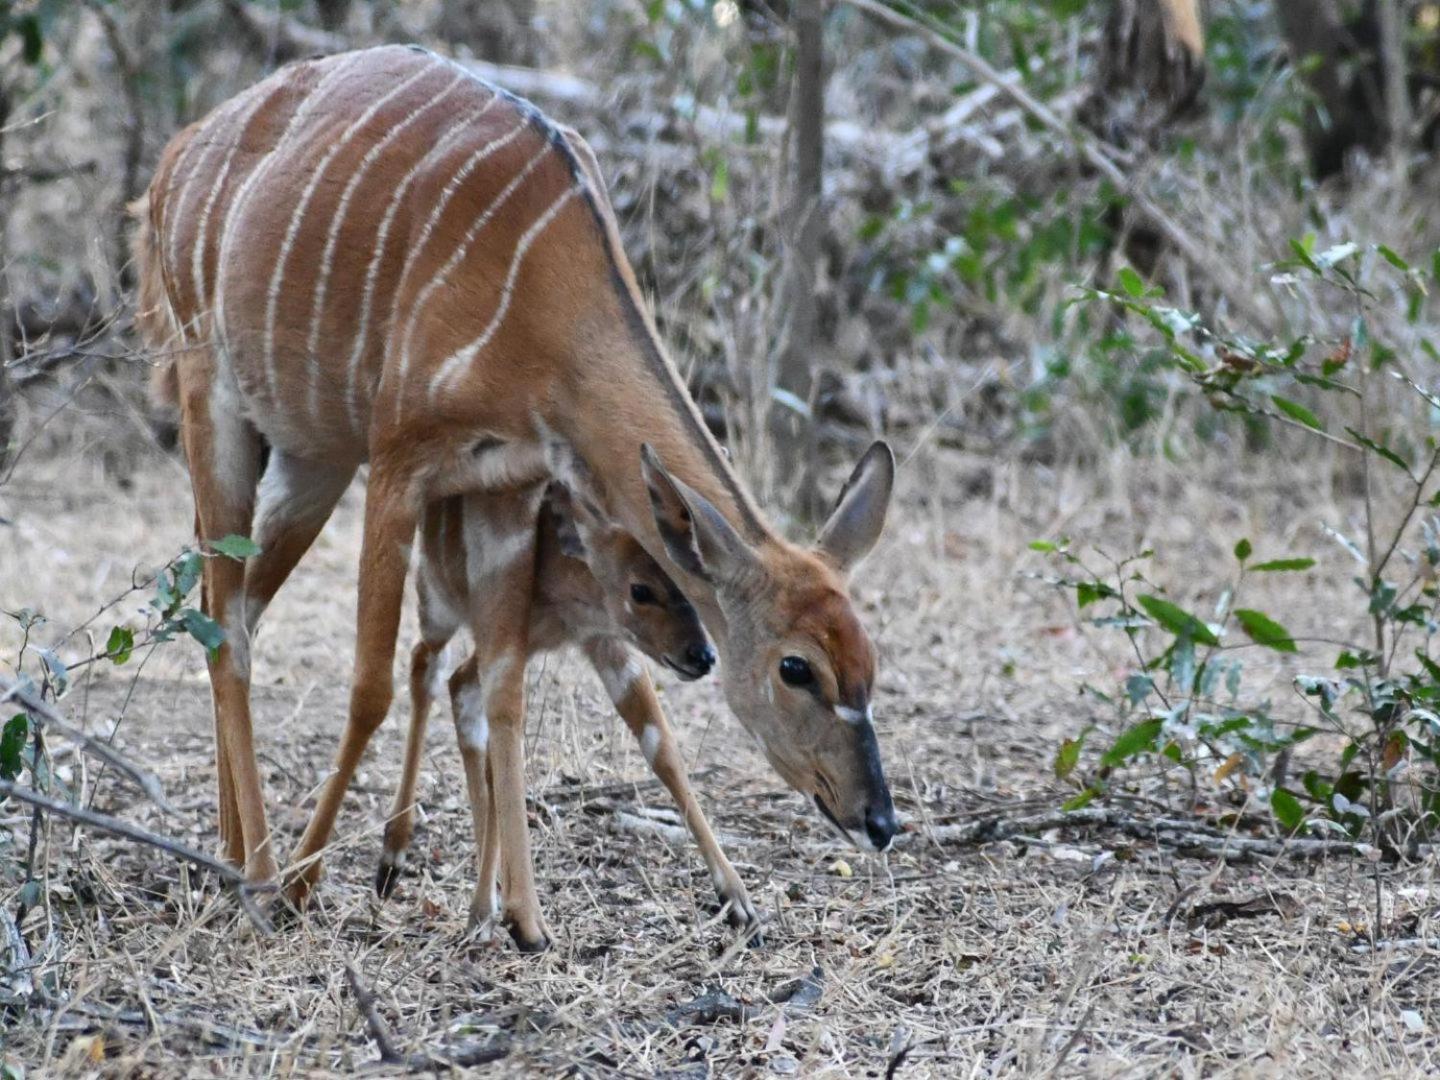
(46, 716)
(475, 1054)
(227, 874)
(1181, 833)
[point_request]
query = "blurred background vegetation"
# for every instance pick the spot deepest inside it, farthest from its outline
(906, 265)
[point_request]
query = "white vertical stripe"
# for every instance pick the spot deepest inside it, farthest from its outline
(412, 259)
(456, 364)
(201, 147)
(242, 197)
(417, 309)
(197, 256)
(372, 273)
(337, 221)
(297, 218)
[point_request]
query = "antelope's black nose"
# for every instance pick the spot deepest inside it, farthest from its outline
(881, 826)
(701, 657)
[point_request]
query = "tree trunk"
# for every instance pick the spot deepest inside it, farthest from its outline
(792, 405)
(1329, 54)
(7, 387)
(1152, 68)
(333, 13)
(1391, 16)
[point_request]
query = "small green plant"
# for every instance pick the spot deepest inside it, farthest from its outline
(1184, 705)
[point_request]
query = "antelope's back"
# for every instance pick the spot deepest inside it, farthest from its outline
(346, 216)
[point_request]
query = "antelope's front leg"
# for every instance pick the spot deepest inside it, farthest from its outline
(631, 689)
(472, 731)
(491, 724)
(390, 519)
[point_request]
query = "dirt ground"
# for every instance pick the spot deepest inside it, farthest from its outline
(1072, 952)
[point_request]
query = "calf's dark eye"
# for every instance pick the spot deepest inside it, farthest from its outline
(795, 670)
(642, 594)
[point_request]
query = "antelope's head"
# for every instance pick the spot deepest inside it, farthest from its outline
(798, 668)
(639, 598)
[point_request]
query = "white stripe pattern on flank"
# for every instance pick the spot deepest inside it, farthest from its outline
(372, 272)
(202, 230)
(201, 149)
(456, 364)
(242, 197)
(337, 221)
(297, 218)
(452, 186)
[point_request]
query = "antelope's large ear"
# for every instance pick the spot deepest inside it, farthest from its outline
(561, 507)
(696, 535)
(859, 515)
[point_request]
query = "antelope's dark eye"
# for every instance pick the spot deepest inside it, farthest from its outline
(795, 670)
(642, 594)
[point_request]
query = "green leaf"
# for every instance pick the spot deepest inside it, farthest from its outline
(1384, 451)
(1042, 545)
(1296, 411)
(235, 547)
(1389, 256)
(1177, 620)
(58, 672)
(1068, 757)
(32, 39)
(1243, 550)
(1085, 798)
(1281, 565)
(720, 181)
(120, 645)
(202, 628)
(1139, 739)
(1138, 687)
(1131, 282)
(1287, 808)
(1264, 630)
(1087, 592)
(12, 746)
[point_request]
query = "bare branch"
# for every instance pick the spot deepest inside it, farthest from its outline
(228, 874)
(46, 716)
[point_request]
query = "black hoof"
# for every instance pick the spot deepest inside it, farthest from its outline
(528, 945)
(387, 877)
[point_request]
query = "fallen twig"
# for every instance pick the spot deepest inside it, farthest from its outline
(46, 716)
(227, 874)
(463, 1057)
(1182, 833)
(17, 967)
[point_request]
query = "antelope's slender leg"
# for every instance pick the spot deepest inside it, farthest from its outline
(630, 688)
(489, 703)
(224, 456)
(390, 519)
(297, 498)
(437, 627)
(473, 733)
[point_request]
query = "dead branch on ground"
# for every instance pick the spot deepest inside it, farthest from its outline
(45, 716)
(1186, 835)
(464, 1057)
(244, 890)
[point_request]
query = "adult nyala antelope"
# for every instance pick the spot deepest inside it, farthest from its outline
(376, 256)
(595, 586)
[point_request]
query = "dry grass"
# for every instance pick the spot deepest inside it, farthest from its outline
(1063, 953)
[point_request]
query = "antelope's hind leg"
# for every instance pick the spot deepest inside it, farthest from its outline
(631, 689)
(223, 451)
(437, 627)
